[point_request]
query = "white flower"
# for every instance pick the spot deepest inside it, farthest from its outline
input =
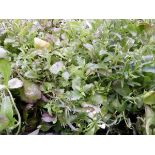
(15, 83)
(102, 52)
(102, 126)
(57, 67)
(66, 75)
(3, 53)
(88, 46)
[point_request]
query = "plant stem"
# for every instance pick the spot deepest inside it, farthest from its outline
(19, 117)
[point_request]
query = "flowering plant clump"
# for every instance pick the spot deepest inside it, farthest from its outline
(77, 77)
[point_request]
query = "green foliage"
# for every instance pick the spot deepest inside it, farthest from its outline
(7, 120)
(5, 69)
(80, 76)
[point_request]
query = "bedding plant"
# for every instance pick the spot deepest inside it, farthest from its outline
(77, 77)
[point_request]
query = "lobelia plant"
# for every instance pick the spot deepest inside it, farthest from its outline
(77, 76)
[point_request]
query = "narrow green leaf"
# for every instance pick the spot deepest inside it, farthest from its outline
(6, 107)
(150, 120)
(123, 91)
(5, 69)
(149, 98)
(3, 122)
